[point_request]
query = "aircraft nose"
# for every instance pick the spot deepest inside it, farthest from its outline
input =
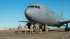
(28, 12)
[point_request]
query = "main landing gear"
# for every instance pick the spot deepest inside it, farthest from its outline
(67, 29)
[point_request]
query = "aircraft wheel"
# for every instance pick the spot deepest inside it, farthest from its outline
(66, 29)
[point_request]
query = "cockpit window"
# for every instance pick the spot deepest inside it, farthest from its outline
(37, 7)
(31, 6)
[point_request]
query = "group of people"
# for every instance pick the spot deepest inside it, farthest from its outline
(33, 28)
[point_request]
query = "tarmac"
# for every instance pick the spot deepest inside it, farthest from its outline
(42, 35)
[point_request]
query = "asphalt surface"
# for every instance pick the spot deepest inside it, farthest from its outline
(42, 35)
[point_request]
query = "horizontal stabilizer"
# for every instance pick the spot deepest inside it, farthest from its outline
(64, 21)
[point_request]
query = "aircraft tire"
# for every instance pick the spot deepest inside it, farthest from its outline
(66, 29)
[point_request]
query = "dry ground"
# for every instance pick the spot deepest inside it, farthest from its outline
(51, 35)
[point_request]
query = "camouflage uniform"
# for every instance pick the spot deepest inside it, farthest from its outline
(46, 28)
(31, 28)
(26, 29)
(37, 28)
(19, 28)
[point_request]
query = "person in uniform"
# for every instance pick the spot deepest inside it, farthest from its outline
(26, 29)
(46, 28)
(19, 28)
(37, 28)
(31, 28)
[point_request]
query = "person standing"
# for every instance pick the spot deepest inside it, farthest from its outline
(37, 27)
(19, 28)
(31, 28)
(26, 29)
(46, 28)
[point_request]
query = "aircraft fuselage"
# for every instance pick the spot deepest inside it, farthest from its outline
(36, 13)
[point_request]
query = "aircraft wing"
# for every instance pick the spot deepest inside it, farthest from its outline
(23, 21)
(64, 21)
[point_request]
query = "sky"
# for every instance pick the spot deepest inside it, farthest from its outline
(12, 11)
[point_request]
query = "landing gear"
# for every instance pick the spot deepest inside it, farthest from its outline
(43, 28)
(67, 29)
(28, 24)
